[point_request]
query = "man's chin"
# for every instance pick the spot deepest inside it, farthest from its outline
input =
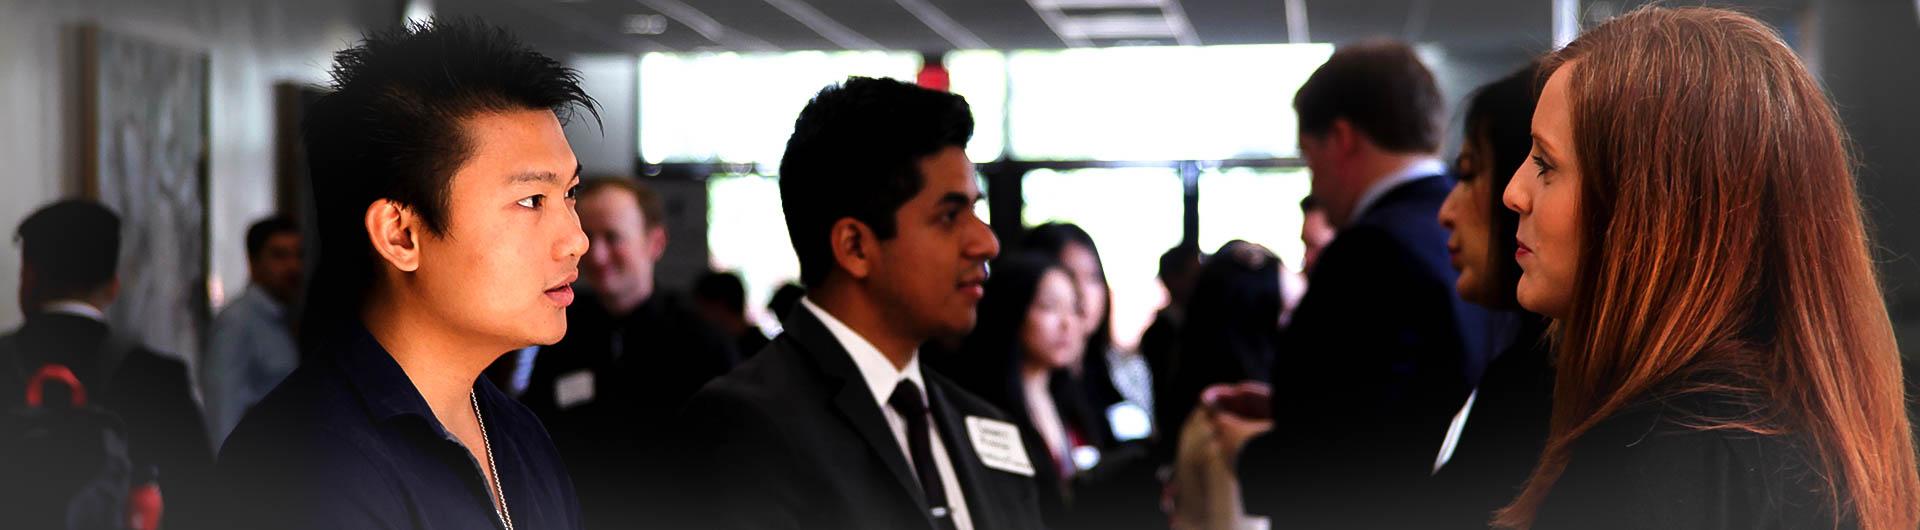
(549, 335)
(957, 327)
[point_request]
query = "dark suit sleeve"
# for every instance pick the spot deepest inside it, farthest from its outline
(735, 466)
(1369, 374)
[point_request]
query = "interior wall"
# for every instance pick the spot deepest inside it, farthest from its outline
(251, 44)
(1862, 54)
(608, 147)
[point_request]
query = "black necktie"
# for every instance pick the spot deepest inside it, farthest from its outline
(906, 401)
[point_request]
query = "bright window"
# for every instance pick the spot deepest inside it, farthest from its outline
(1157, 103)
(1133, 214)
(747, 233)
(981, 77)
(1257, 205)
(735, 107)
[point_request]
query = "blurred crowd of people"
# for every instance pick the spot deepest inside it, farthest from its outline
(1639, 296)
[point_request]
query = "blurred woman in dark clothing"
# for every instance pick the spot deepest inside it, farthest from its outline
(1018, 357)
(1499, 433)
(1232, 329)
(1100, 370)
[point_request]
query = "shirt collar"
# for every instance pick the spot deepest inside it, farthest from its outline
(875, 368)
(263, 300)
(383, 386)
(76, 308)
(1425, 167)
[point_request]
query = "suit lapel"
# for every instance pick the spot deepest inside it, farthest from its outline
(853, 401)
(966, 464)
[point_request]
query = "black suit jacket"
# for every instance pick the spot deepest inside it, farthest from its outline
(1379, 356)
(645, 365)
(792, 439)
(149, 392)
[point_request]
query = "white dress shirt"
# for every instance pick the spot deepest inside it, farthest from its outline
(76, 308)
(882, 378)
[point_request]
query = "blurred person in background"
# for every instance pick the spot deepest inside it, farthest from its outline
(1234, 328)
(721, 298)
(785, 300)
(70, 252)
(1118, 383)
(633, 354)
(1160, 343)
(1017, 357)
(1381, 352)
(252, 346)
(1497, 437)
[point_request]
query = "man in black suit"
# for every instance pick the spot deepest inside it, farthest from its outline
(837, 424)
(1381, 352)
(70, 250)
(631, 357)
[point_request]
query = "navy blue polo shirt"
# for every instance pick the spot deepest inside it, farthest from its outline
(346, 441)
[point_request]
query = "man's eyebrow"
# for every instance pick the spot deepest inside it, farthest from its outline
(533, 176)
(548, 177)
(960, 199)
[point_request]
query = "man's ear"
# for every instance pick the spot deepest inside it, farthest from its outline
(394, 230)
(1342, 137)
(656, 242)
(853, 247)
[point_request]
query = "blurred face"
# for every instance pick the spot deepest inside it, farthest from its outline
(1051, 335)
(1331, 156)
(1093, 288)
(277, 269)
(619, 262)
(1315, 233)
(1467, 215)
(1546, 194)
(935, 266)
(504, 267)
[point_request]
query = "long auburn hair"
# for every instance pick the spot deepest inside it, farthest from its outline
(1721, 233)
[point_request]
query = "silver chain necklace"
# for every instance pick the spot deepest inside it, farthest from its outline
(506, 516)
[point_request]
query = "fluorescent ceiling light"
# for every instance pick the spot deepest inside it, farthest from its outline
(1117, 26)
(1096, 4)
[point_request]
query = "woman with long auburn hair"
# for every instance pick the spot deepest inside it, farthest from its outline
(1689, 221)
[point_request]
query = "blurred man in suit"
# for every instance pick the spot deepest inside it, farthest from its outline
(1381, 352)
(838, 424)
(632, 356)
(69, 253)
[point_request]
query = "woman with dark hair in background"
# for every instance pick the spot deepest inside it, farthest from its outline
(1110, 377)
(1027, 336)
(1019, 357)
(1232, 332)
(1723, 354)
(1499, 433)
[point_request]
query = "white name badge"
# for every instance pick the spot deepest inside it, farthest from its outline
(573, 389)
(999, 446)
